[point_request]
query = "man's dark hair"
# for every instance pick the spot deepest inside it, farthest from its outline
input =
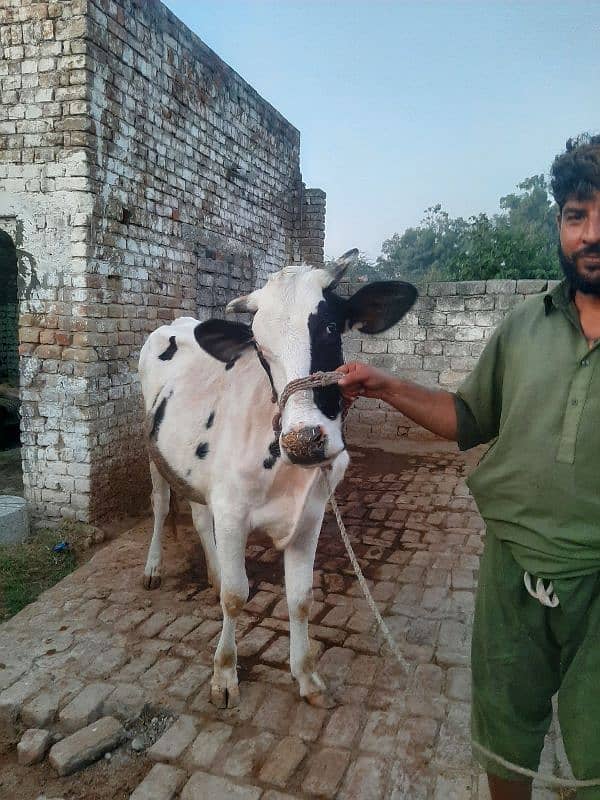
(576, 172)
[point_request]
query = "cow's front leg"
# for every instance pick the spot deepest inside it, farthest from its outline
(299, 557)
(231, 549)
(161, 494)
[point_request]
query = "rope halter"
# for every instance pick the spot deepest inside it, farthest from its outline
(314, 381)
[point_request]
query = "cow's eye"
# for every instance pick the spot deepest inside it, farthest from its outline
(332, 328)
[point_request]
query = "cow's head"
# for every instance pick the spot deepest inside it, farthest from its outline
(297, 329)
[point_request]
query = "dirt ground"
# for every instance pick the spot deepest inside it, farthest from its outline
(106, 780)
(114, 778)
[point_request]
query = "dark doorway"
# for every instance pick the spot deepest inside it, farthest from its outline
(9, 345)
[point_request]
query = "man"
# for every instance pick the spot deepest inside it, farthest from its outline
(535, 393)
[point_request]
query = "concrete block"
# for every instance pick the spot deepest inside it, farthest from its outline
(14, 521)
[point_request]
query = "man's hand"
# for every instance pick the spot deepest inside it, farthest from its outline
(434, 409)
(361, 380)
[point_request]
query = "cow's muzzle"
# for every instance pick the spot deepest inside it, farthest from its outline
(305, 446)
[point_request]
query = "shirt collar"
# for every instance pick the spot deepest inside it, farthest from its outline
(559, 297)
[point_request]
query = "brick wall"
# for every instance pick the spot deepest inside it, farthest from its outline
(142, 179)
(43, 207)
(437, 344)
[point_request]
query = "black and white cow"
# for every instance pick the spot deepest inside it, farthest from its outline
(208, 389)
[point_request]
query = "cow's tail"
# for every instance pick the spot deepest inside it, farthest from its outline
(173, 512)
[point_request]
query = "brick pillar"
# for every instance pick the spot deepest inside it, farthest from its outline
(311, 226)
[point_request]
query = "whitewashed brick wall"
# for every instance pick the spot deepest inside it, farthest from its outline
(141, 178)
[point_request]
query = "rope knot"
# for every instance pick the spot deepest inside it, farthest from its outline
(314, 381)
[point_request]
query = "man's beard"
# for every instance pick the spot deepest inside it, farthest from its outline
(578, 282)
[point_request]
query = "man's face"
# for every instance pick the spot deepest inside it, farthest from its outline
(579, 230)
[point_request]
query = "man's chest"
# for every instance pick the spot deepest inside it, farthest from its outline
(551, 390)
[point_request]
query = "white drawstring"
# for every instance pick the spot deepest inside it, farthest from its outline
(545, 595)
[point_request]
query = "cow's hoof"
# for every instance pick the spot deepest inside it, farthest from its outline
(221, 697)
(233, 697)
(321, 699)
(218, 696)
(151, 581)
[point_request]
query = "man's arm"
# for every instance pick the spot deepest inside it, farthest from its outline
(434, 409)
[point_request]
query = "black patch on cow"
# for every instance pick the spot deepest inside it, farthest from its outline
(231, 363)
(210, 420)
(202, 450)
(325, 328)
(224, 340)
(159, 415)
(275, 452)
(170, 351)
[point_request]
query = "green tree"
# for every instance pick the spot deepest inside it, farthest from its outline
(493, 248)
(424, 252)
(519, 242)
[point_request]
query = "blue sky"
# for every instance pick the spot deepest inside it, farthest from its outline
(402, 105)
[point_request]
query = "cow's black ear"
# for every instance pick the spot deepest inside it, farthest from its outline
(379, 305)
(224, 340)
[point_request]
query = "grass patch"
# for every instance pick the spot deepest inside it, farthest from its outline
(28, 569)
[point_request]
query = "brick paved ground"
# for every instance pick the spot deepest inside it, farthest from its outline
(98, 644)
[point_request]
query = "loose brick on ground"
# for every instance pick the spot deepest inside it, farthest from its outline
(33, 746)
(86, 746)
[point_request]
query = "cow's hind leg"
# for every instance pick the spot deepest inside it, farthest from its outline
(161, 494)
(203, 523)
(231, 549)
(299, 557)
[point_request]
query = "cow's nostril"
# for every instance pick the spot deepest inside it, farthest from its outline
(317, 434)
